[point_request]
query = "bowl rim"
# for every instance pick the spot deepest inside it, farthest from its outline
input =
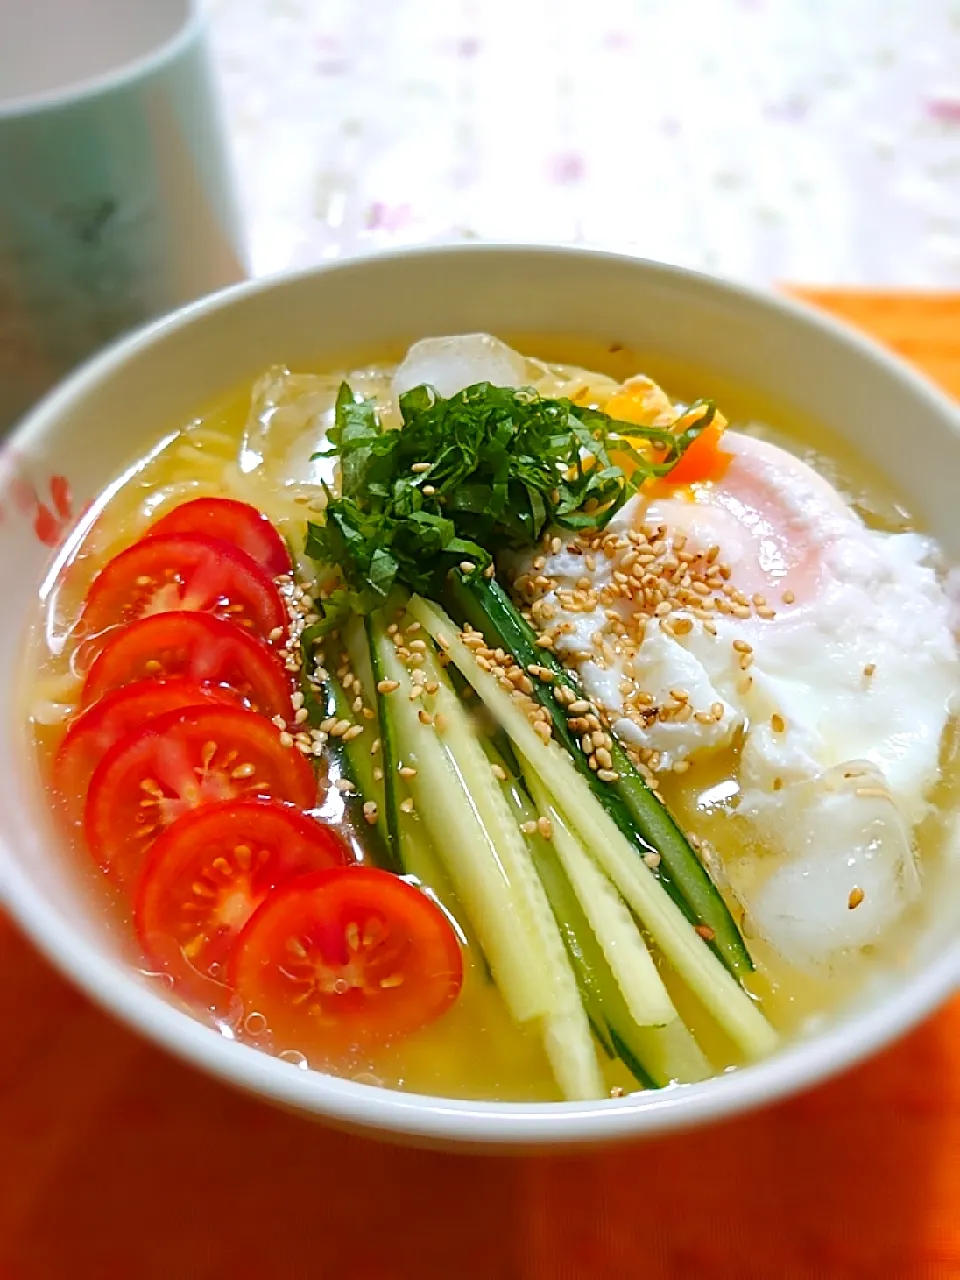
(421, 1117)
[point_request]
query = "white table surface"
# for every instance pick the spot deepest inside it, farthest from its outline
(815, 141)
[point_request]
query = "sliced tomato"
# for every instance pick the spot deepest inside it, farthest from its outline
(183, 572)
(97, 728)
(207, 874)
(347, 957)
(235, 522)
(176, 763)
(199, 647)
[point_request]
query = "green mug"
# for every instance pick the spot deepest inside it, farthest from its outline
(116, 197)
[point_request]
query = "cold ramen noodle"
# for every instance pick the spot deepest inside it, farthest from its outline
(493, 728)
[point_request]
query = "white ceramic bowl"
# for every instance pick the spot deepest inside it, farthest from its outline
(98, 421)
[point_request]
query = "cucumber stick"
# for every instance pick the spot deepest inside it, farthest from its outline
(613, 926)
(415, 851)
(565, 1030)
(447, 810)
(655, 1056)
(638, 813)
(388, 752)
(461, 806)
(694, 962)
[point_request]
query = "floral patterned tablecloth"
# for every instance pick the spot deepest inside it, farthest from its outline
(805, 140)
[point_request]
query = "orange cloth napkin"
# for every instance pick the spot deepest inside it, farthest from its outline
(117, 1163)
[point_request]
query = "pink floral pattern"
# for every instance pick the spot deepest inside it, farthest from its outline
(767, 142)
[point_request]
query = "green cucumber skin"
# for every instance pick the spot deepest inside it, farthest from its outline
(598, 987)
(346, 760)
(388, 755)
(639, 815)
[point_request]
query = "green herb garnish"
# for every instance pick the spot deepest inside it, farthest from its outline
(490, 467)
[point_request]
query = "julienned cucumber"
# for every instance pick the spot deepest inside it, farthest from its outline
(470, 824)
(655, 1056)
(698, 966)
(636, 810)
(612, 924)
(468, 853)
(347, 761)
(666, 1054)
(390, 763)
(417, 855)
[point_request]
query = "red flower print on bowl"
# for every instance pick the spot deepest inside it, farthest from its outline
(51, 511)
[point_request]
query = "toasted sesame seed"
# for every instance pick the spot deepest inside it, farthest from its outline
(777, 723)
(375, 746)
(286, 739)
(425, 717)
(428, 490)
(788, 597)
(387, 686)
(652, 859)
(545, 827)
(407, 805)
(370, 811)
(277, 632)
(407, 771)
(869, 669)
(354, 731)
(419, 467)
(608, 775)
(856, 897)
(344, 785)
(705, 932)
(467, 566)
(415, 692)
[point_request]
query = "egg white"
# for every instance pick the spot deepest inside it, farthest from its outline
(856, 672)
